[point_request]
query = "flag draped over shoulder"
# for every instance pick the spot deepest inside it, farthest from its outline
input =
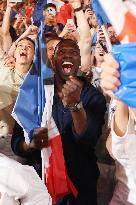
(33, 109)
(30, 101)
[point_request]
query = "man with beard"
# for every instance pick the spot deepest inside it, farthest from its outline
(112, 34)
(78, 111)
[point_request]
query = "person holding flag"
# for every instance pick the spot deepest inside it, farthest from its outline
(121, 143)
(78, 111)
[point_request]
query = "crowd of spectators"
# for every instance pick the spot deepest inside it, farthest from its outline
(71, 31)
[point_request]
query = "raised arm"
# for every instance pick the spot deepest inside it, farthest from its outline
(31, 32)
(85, 36)
(7, 40)
(109, 83)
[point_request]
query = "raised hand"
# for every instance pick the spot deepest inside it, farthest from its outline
(71, 91)
(40, 138)
(110, 75)
(75, 3)
(11, 5)
(32, 30)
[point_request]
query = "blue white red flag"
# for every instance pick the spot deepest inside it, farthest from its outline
(99, 12)
(38, 12)
(33, 109)
(125, 54)
(122, 15)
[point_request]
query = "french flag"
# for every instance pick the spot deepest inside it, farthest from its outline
(37, 92)
(122, 15)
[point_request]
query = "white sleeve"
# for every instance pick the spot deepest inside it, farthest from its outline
(21, 182)
(37, 193)
(124, 148)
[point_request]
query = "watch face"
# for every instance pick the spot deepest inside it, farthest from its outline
(76, 107)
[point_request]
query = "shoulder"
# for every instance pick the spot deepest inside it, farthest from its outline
(6, 74)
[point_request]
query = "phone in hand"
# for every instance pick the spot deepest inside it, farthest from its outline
(70, 21)
(52, 11)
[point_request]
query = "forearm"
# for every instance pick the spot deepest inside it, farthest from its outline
(121, 119)
(6, 21)
(25, 149)
(7, 41)
(79, 121)
(85, 40)
(25, 34)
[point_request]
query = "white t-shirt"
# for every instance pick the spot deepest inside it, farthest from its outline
(20, 183)
(124, 151)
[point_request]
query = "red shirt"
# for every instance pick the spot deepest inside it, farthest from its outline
(64, 14)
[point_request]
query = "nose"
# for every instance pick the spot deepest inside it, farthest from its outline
(24, 47)
(68, 54)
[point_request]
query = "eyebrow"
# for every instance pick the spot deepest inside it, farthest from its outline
(29, 44)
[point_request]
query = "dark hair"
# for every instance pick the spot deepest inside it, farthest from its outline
(13, 34)
(28, 39)
(50, 5)
(87, 7)
(68, 41)
(51, 36)
(63, 41)
(94, 61)
(108, 25)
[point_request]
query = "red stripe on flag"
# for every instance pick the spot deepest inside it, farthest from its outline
(57, 180)
(129, 28)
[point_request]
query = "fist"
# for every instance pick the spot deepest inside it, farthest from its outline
(40, 138)
(75, 3)
(110, 75)
(71, 91)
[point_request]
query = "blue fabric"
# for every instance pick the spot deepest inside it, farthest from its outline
(125, 54)
(38, 12)
(31, 100)
(78, 150)
(94, 39)
(13, 14)
(99, 12)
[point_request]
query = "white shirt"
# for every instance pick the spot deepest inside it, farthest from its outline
(124, 151)
(21, 182)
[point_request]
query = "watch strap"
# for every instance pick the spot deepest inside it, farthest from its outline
(76, 107)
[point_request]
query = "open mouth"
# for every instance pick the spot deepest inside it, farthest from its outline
(67, 67)
(101, 54)
(23, 54)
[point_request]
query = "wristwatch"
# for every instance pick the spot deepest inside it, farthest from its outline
(76, 107)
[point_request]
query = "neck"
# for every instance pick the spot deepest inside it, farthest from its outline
(22, 69)
(59, 84)
(98, 64)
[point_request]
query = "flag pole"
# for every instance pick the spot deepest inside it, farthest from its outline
(109, 45)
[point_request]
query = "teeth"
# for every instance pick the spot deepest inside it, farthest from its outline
(67, 63)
